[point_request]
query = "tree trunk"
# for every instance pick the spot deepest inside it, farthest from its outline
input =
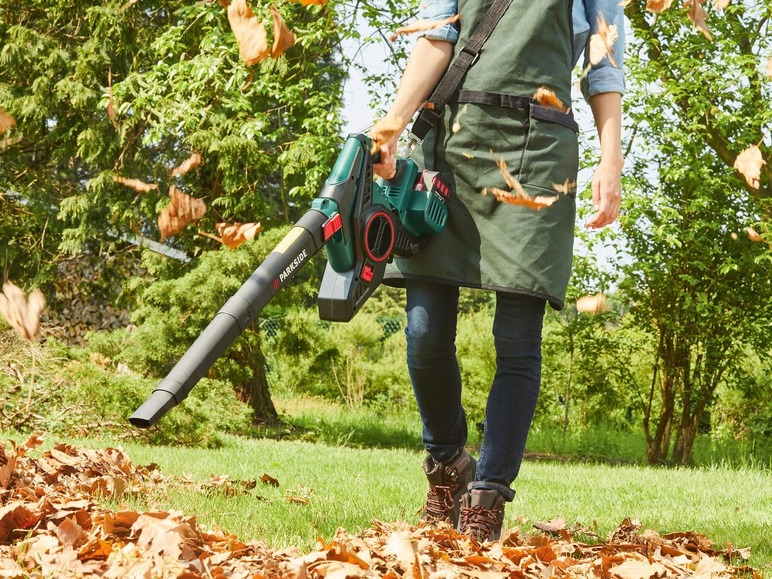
(255, 391)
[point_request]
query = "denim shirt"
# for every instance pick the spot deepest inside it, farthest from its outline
(602, 77)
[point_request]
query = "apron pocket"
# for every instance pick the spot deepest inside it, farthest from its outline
(551, 155)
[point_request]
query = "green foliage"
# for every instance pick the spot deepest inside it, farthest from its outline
(99, 92)
(689, 271)
(77, 392)
(353, 362)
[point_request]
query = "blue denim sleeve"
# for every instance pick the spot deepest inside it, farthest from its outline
(440, 10)
(604, 76)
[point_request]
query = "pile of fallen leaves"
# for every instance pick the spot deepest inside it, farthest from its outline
(52, 524)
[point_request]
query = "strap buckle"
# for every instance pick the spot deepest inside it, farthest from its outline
(475, 54)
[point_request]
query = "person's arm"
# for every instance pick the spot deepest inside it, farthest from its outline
(607, 179)
(425, 67)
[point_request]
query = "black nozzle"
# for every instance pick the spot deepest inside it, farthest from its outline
(158, 404)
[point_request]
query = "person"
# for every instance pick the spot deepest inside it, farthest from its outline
(522, 254)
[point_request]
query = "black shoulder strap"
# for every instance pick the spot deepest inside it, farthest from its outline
(467, 56)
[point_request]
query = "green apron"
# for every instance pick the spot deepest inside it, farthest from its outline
(487, 243)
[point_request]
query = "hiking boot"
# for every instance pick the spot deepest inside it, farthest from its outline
(447, 484)
(482, 514)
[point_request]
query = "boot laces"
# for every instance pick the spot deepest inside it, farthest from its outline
(439, 501)
(479, 521)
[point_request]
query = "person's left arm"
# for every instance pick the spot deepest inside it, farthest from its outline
(603, 87)
(607, 179)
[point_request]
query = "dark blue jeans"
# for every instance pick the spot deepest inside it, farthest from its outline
(432, 314)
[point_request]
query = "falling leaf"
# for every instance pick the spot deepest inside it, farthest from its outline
(282, 37)
(753, 235)
(733, 235)
(6, 121)
(511, 182)
(422, 25)
(22, 313)
(234, 234)
(384, 131)
(456, 124)
(187, 165)
(769, 68)
(657, 6)
(721, 4)
(548, 98)
(566, 188)
(136, 184)
(518, 195)
(250, 34)
(311, 2)
(602, 42)
(595, 304)
(269, 480)
(749, 164)
(524, 200)
(181, 212)
(697, 15)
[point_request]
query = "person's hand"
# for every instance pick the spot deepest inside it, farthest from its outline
(385, 135)
(387, 167)
(606, 193)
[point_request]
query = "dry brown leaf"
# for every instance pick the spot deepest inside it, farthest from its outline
(250, 34)
(548, 98)
(181, 212)
(224, 4)
(536, 203)
(553, 526)
(511, 182)
(269, 480)
(51, 516)
(234, 234)
(518, 195)
(657, 6)
(636, 566)
(6, 121)
(136, 184)
(282, 36)
(749, 164)
(753, 235)
(311, 2)
(595, 304)
(602, 42)
(22, 313)
(721, 4)
(187, 165)
(384, 131)
(697, 15)
(422, 25)
(456, 122)
(566, 187)
(769, 66)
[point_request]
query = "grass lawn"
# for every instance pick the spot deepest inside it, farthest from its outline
(349, 487)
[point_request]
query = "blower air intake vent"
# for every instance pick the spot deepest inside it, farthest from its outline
(379, 236)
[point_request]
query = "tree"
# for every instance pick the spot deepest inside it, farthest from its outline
(699, 285)
(104, 92)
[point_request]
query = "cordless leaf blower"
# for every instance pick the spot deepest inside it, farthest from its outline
(360, 223)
